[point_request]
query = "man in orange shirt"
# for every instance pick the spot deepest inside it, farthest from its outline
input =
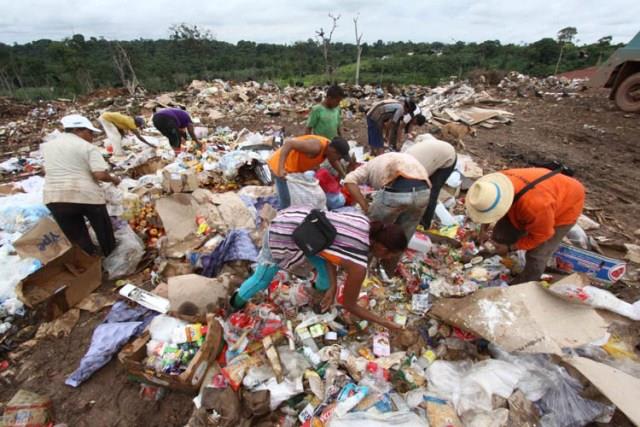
(534, 209)
(304, 153)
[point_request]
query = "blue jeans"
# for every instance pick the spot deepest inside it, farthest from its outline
(282, 189)
(375, 134)
(404, 209)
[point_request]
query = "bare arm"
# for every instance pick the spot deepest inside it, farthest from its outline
(355, 276)
(338, 167)
(354, 189)
(192, 133)
(330, 294)
(141, 138)
(105, 176)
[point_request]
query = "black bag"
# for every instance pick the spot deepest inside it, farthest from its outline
(315, 233)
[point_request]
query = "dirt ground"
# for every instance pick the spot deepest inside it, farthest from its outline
(587, 133)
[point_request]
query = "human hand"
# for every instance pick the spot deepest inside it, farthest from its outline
(327, 300)
(501, 249)
(115, 180)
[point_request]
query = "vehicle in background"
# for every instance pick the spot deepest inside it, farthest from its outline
(621, 73)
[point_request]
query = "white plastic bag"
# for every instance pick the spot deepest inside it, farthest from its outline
(372, 419)
(597, 298)
(306, 191)
(127, 254)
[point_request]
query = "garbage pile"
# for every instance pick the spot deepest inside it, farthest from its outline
(473, 351)
(551, 87)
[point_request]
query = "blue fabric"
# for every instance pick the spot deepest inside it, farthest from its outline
(258, 203)
(284, 198)
(335, 201)
(257, 282)
(375, 134)
(236, 246)
(121, 324)
(320, 264)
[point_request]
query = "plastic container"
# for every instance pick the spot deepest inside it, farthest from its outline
(420, 243)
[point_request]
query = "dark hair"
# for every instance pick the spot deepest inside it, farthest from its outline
(335, 91)
(409, 104)
(391, 236)
(420, 119)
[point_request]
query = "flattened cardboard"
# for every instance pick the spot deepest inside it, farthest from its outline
(198, 291)
(178, 213)
(45, 242)
(622, 389)
(523, 318)
(62, 283)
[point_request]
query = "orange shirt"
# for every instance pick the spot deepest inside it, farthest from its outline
(297, 161)
(553, 202)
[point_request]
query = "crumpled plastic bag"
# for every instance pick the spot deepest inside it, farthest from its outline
(471, 387)
(127, 254)
(597, 298)
(305, 190)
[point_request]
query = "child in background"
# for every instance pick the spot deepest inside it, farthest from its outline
(325, 119)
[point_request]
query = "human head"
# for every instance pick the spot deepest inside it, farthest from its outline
(139, 120)
(411, 111)
(489, 198)
(80, 126)
(335, 94)
(387, 240)
(338, 149)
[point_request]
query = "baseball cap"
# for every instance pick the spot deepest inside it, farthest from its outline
(341, 146)
(76, 121)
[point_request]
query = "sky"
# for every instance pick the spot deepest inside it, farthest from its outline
(286, 21)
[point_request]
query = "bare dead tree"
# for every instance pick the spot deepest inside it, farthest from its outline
(358, 48)
(125, 69)
(5, 79)
(325, 41)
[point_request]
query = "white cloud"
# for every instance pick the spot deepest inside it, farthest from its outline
(285, 21)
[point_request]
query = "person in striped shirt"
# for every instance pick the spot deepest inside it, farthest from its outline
(357, 238)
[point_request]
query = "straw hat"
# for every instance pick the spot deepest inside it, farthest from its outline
(489, 198)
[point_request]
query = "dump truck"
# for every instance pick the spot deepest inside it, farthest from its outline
(621, 73)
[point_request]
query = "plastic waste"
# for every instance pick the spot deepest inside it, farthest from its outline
(12, 270)
(471, 387)
(20, 217)
(306, 191)
(444, 216)
(374, 419)
(127, 254)
(578, 237)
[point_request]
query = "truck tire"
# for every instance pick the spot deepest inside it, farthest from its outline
(628, 94)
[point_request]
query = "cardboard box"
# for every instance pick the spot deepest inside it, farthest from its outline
(149, 167)
(179, 182)
(133, 354)
(67, 276)
(570, 259)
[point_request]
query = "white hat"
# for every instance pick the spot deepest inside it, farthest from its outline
(75, 121)
(489, 198)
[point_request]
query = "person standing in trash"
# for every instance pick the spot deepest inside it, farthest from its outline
(356, 239)
(439, 160)
(402, 193)
(116, 125)
(389, 120)
(304, 153)
(533, 208)
(73, 168)
(174, 123)
(325, 119)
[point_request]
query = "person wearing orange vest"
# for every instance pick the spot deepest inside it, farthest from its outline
(304, 153)
(533, 208)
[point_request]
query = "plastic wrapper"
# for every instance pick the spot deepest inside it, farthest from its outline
(19, 217)
(127, 254)
(471, 387)
(578, 237)
(596, 298)
(374, 419)
(282, 391)
(306, 191)
(12, 270)
(555, 392)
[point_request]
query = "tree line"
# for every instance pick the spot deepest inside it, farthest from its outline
(77, 65)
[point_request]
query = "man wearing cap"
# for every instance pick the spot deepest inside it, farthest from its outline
(439, 160)
(73, 169)
(403, 189)
(116, 125)
(387, 120)
(304, 153)
(533, 208)
(174, 123)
